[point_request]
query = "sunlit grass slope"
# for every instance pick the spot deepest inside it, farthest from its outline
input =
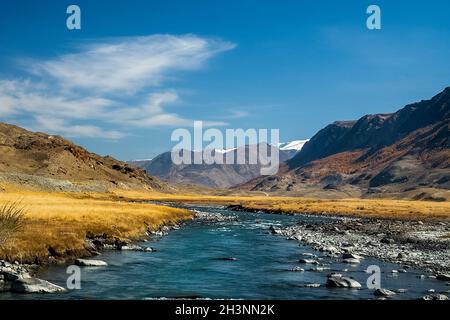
(59, 222)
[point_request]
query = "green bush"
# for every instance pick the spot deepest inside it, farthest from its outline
(12, 219)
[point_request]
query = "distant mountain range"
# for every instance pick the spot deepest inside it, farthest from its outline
(404, 152)
(216, 175)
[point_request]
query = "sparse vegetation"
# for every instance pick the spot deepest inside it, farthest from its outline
(382, 208)
(57, 223)
(12, 218)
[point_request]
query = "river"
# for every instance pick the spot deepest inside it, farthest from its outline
(191, 262)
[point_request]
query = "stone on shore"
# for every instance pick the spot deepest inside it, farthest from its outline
(401, 255)
(90, 263)
(387, 241)
(329, 249)
(274, 230)
(351, 261)
(443, 277)
(351, 256)
(12, 276)
(35, 285)
(131, 247)
(308, 254)
(134, 247)
(435, 296)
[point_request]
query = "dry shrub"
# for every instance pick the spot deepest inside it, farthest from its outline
(12, 219)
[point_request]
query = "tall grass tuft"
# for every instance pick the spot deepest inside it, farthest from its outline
(12, 219)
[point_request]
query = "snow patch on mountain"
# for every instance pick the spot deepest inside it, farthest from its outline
(296, 145)
(222, 151)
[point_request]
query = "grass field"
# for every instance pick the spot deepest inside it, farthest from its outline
(60, 221)
(382, 208)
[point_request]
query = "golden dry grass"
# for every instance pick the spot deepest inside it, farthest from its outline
(61, 221)
(383, 208)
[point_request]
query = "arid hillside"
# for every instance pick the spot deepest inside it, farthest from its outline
(53, 163)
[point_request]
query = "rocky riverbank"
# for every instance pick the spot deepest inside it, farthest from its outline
(21, 278)
(424, 245)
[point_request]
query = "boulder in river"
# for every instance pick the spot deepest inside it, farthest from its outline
(309, 261)
(383, 293)
(35, 285)
(297, 269)
(90, 263)
(342, 282)
(320, 269)
(227, 259)
(312, 285)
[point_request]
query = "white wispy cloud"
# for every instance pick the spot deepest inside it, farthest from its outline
(130, 64)
(31, 98)
(237, 114)
(115, 84)
(60, 125)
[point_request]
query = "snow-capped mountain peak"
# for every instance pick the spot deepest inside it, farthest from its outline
(224, 150)
(296, 145)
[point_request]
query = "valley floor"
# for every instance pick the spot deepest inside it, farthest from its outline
(57, 224)
(376, 208)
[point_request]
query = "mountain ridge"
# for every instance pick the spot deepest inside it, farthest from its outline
(398, 152)
(215, 175)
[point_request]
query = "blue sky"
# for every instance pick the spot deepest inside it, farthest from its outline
(139, 69)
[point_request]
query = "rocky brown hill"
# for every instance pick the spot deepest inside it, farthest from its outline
(52, 162)
(404, 152)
